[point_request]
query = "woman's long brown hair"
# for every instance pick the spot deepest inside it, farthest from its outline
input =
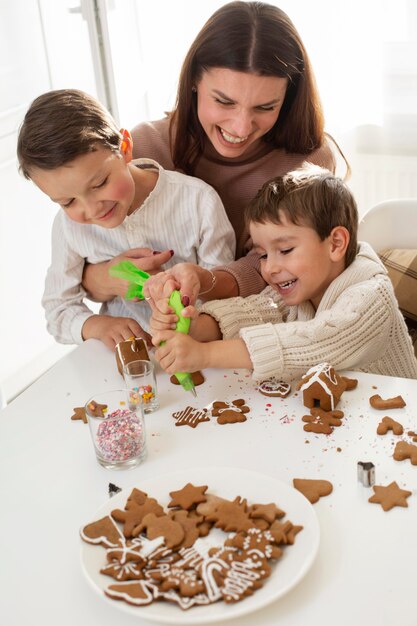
(260, 39)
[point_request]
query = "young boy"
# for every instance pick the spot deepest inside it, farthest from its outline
(328, 300)
(70, 147)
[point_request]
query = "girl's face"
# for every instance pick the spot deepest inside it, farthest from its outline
(295, 262)
(236, 109)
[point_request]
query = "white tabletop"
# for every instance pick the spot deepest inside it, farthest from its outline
(51, 485)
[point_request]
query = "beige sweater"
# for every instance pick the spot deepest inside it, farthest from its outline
(357, 325)
(235, 180)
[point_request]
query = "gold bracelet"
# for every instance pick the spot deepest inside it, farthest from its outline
(213, 282)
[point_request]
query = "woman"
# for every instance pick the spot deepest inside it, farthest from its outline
(247, 110)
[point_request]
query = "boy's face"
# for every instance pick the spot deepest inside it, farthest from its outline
(95, 188)
(294, 261)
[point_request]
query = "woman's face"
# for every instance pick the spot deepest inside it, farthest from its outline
(236, 109)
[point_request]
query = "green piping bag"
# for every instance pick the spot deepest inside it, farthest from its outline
(137, 278)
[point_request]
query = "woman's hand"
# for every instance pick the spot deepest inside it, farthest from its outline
(188, 278)
(102, 287)
(112, 330)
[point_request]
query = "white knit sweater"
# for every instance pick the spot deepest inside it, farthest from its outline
(357, 325)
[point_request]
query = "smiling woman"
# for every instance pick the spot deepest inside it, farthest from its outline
(247, 109)
(236, 109)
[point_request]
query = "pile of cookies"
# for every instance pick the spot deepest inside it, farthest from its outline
(159, 555)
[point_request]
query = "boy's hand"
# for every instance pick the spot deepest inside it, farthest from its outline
(112, 330)
(180, 353)
(164, 318)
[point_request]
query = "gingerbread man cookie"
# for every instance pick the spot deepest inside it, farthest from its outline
(322, 422)
(230, 412)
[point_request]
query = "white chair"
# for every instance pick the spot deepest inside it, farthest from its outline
(390, 224)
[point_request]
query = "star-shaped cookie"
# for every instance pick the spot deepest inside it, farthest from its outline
(186, 497)
(79, 414)
(389, 496)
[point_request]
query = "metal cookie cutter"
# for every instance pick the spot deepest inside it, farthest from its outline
(366, 473)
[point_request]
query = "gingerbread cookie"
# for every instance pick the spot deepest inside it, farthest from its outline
(351, 383)
(404, 450)
(390, 496)
(274, 388)
(188, 497)
(231, 515)
(162, 526)
(413, 435)
(230, 412)
(139, 593)
(313, 490)
(170, 563)
(197, 378)
(134, 513)
(377, 402)
(387, 424)
(104, 532)
(79, 414)
(322, 422)
(95, 409)
(191, 417)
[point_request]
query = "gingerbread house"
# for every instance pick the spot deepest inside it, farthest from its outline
(130, 350)
(322, 387)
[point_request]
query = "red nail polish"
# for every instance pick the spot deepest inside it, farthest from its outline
(172, 252)
(156, 252)
(185, 300)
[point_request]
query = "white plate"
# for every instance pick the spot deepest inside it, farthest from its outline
(228, 483)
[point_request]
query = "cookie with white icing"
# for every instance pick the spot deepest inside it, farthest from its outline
(274, 388)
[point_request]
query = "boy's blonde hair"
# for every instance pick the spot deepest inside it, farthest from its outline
(310, 196)
(61, 125)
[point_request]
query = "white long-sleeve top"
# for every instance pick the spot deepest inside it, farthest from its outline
(357, 325)
(182, 213)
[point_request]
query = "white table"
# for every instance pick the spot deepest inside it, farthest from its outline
(51, 484)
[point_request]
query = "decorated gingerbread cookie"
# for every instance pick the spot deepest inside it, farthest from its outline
(274, 388)
(230, 412)
(191, 417)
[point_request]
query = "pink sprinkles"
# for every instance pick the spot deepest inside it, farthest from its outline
(122, 438)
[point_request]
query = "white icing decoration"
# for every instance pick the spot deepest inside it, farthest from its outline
(207, 568)
(239, 579)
